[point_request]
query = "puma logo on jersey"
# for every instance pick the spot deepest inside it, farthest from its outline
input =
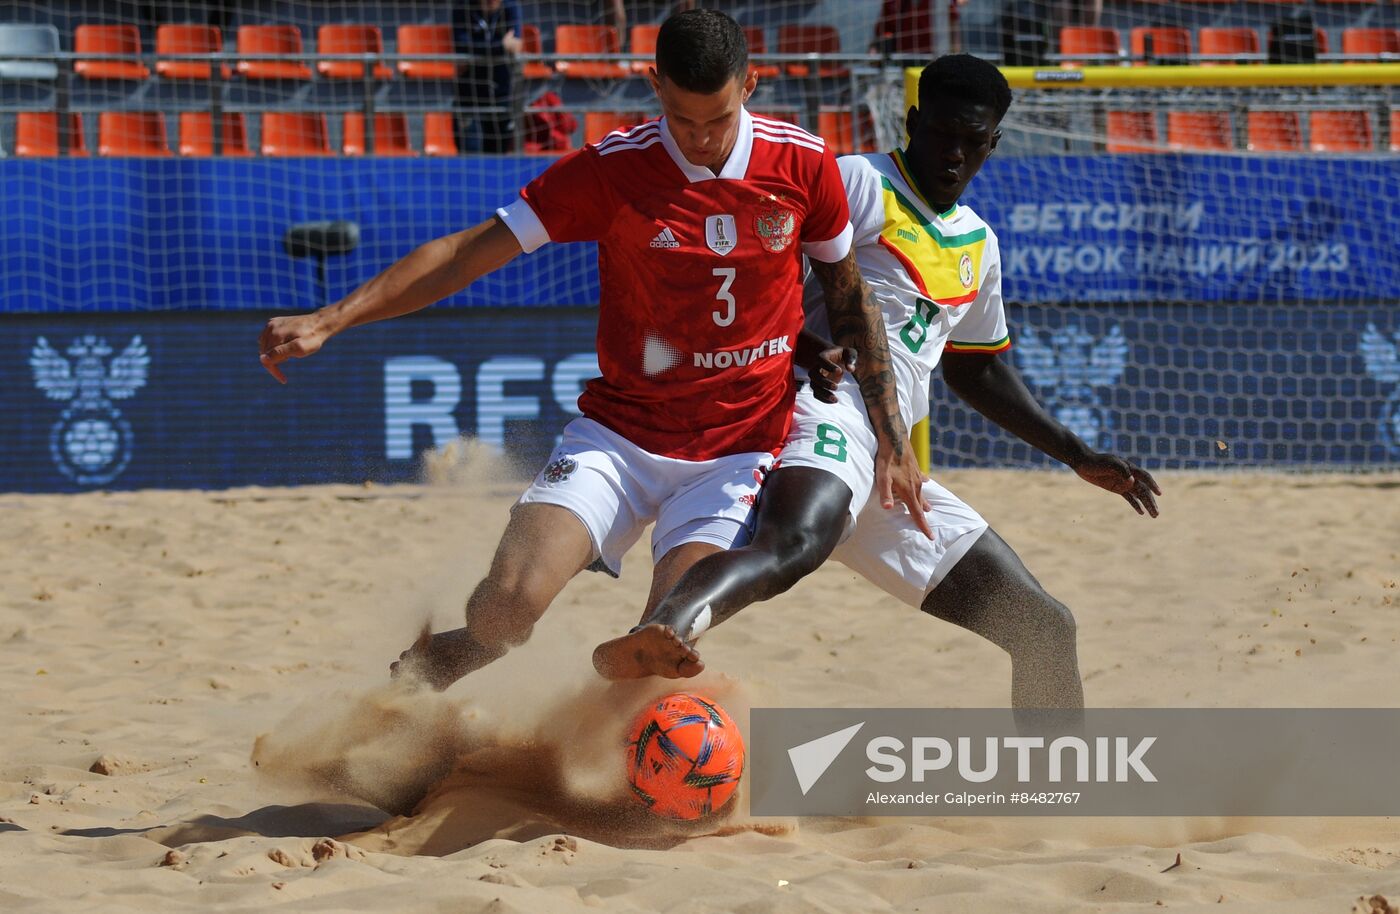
(907, 235)
(729, 358)
(664, 239)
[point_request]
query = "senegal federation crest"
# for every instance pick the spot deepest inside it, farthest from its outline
(775, 225)
(91, 442)
(965, 270)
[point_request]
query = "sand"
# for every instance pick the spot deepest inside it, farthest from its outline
(157, 636)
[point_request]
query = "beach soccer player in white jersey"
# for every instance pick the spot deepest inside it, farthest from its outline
(933, 266)
(701, 219)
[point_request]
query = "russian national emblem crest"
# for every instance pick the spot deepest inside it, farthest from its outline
(775, 225)
(559, 469)
(91, 442)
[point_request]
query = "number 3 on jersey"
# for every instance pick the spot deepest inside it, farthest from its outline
(724, 295)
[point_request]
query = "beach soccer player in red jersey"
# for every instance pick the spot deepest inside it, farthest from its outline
(702, 219)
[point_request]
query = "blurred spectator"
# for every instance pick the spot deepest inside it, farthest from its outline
(906, 27)
(490, 31)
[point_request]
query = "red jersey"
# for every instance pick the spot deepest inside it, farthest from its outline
(701, 298)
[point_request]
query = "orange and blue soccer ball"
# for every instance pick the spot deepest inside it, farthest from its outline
(685, 756)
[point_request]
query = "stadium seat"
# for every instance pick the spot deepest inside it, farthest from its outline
(125, 133)
(810, 39)
(531, 43)
(1086, 45)
(18, 40)
(1166, 44)
(835, 126)
(187, 39)
(1370, 43)
(1132, 131)
(197, 134)
(588, 39)
(598, 124)
(1200, 130)
(1340, 131)
(758, 46)
(286, 134)
(1395, 130)
(426, 40)
(350, 39)
(440, 134)
(643, 42)
(390, 135)
(36, 134)
(108, 39)
(271, 39)
(1274, 131)
(1213, 41)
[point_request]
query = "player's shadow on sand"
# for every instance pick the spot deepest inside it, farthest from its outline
(307, 820)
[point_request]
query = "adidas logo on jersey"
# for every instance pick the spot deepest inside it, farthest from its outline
(665, 239)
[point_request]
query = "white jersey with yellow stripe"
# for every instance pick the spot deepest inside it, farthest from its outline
(936, 275)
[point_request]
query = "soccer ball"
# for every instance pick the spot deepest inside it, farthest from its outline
(685, 757)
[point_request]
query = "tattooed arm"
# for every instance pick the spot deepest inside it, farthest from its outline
(856, 322)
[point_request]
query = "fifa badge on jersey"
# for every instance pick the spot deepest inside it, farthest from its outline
(720, 234)
(965, 270)
(558, 470)
(775, 225)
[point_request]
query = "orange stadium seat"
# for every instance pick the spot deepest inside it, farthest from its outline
(1200, 130)
(1082, 44)
(390, 135)
(1166, 43)
(1227, 41)
(271, 39)
(187, 39)
(835, 126)
(197, 134)
(108, 39)
(643, 42)
(350, 39)
(426, 40)
(286, 134)
(1395, 130)
(1370, 42)
(1132, 131)
(598, 124)
(1340, 131)
(810, 39)
(758, 46)
(588, 39)
(1274, 131)
(531, 43)
(440, 134)
(124, 133)
(36, 134)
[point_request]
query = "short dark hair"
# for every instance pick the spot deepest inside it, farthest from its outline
(965, 79)
(701, 50)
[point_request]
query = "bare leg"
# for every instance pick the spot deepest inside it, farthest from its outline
(801, 516)
(542, 548)
(990, 592)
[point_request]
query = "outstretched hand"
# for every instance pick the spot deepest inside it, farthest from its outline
(832, 365)
(286, 338)
(1117, 475)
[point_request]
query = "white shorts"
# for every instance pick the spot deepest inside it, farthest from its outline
(616, 488)
(883, 546)
(835, 437)
(890, 552)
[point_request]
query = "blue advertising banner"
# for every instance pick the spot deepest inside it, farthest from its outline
(180, 400)
(1195, 228)
(132, 235)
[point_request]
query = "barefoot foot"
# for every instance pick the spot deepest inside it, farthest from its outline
(438, 660)
(653, 650)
